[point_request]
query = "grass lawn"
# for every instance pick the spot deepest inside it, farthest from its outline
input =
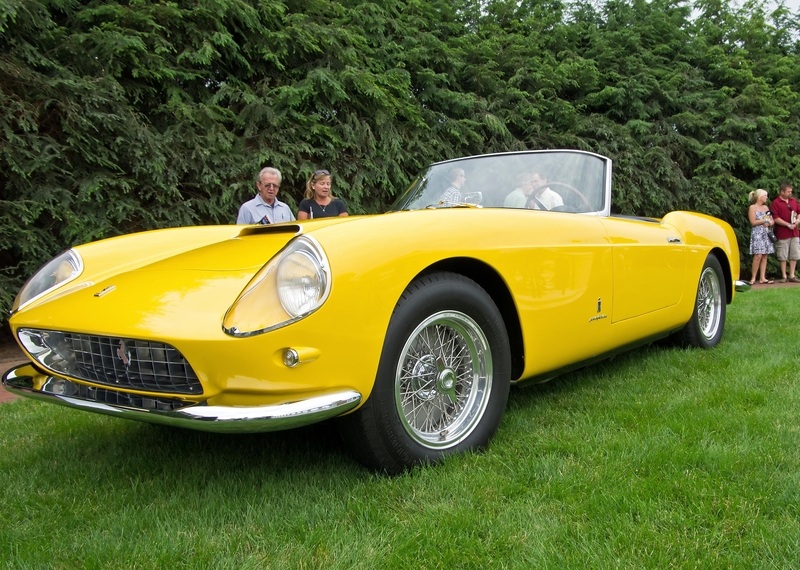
(660, 458)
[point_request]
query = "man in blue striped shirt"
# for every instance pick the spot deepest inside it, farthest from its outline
(265, 208)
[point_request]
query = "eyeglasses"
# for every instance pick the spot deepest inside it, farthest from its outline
(321, 173)
(269, 186)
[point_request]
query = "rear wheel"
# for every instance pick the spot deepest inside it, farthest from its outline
(704, 329)
(442, 381)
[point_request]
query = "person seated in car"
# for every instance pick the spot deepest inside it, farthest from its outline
(519, 197)
(542, 197)
(453, 192)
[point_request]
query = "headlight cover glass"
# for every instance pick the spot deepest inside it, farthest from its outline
(57, 272)
(291, 286)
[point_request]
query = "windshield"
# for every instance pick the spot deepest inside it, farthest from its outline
(565, 181)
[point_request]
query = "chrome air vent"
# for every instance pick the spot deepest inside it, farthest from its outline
(118, 362)
(61, 387)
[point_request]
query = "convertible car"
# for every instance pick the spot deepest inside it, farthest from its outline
(408, 327)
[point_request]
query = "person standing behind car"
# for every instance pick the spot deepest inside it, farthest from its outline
(760, 245)
(265, 208)
(785, 213)
(319, 202)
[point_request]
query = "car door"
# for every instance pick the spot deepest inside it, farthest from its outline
(649, 265)
(561, 281)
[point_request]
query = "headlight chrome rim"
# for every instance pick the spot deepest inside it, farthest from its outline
(70, 256)
(267, 277)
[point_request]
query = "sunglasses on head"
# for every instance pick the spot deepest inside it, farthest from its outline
(321, 173)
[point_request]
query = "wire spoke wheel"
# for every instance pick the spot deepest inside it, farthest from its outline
(707, 323)
(709, 303)
(443, 379)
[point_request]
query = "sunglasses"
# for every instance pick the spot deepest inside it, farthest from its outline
(321, 173)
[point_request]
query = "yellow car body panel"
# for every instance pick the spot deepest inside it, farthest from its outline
(556, 283)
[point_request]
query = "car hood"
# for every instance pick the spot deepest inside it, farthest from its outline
(164, 282)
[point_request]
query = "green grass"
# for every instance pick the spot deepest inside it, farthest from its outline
(660, 458)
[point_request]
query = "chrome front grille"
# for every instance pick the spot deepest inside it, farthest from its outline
(118, 362)
(63, 387)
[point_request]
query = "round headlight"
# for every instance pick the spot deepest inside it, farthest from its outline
(58, 271)
(301, 282)
(300, 278)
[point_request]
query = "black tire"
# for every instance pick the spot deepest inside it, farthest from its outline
(704, 329)
(443, 378)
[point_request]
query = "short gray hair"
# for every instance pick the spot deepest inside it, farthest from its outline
(270, 170)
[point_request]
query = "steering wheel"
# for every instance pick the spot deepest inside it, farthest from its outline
(578, 193)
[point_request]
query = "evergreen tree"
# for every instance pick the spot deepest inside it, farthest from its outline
(128, 115)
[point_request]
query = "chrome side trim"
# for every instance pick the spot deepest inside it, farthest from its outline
(742, 286)
(219, 419)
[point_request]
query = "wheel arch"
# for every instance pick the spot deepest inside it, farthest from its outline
(724, 262)
(492, 282)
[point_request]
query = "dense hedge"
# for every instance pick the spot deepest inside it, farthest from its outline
(122, 116)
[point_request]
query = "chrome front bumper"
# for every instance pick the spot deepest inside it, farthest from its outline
(220, 419)
(742, 286)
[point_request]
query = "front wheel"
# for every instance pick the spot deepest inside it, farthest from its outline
(704, 329)
(442, 381)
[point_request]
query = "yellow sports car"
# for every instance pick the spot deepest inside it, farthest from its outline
(408, 327)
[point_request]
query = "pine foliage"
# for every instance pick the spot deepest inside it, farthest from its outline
(123, 116)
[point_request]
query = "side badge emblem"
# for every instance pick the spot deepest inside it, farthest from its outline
(599, 316)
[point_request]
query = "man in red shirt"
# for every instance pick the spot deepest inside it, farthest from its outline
(786, 213)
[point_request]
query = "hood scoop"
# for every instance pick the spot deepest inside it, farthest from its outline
(295, 229)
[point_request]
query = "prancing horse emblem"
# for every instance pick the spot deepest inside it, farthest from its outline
(124, 354)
